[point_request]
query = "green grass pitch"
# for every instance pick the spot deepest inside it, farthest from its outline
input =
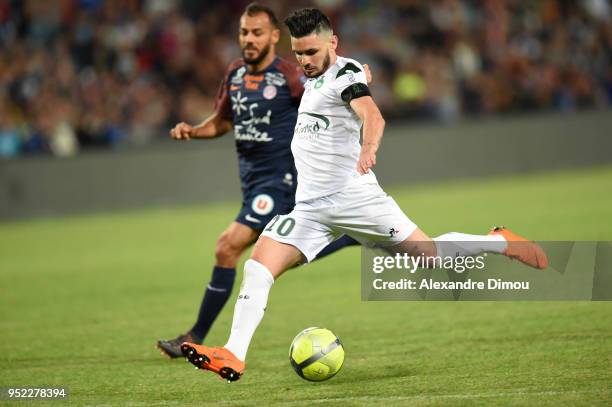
(83, 300)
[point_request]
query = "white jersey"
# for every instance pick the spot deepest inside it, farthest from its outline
(325, 142)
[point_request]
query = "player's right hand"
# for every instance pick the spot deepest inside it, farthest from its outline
(367, 158)
(181, 131)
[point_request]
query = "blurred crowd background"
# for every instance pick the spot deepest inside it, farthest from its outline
(83, 74)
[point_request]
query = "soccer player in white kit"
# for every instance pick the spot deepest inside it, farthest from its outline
(337, 192)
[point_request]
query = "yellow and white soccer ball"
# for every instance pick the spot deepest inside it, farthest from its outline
(316, 354)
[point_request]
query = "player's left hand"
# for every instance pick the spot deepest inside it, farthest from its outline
(368, 73)
(367, 158)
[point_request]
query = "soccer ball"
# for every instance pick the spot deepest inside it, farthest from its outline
(316, 354)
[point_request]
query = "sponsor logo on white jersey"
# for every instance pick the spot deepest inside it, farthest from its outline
(310, 125)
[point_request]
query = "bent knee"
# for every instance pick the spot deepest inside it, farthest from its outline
(276, 256)
(228, 250)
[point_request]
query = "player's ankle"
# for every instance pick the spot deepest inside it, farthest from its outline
(195, 338)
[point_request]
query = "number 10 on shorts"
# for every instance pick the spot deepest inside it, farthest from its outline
(283, 228)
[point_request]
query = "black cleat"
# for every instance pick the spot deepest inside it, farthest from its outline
(172, 347)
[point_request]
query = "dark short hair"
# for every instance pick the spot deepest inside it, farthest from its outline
(255, 8)
(306, 21)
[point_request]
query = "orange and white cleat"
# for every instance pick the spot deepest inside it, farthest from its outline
(218, 360)
(521, 249)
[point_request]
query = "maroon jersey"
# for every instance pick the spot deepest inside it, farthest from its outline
(263, 109)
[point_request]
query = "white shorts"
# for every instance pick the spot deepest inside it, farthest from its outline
(361, 210)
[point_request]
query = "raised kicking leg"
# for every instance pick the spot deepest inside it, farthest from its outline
(499, 240)
(268, 261)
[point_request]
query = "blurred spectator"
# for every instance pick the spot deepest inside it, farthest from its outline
(82, 74)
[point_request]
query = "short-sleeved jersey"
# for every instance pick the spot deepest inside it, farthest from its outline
(263, 109)
(326, 137)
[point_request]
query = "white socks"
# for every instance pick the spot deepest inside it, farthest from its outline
(461, 244)
(250, 307)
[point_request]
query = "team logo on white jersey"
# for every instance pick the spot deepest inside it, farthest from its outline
(269, 92)
(263, 204)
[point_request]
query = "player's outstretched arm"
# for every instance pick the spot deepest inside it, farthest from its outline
(373, 128)
(214, 126)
